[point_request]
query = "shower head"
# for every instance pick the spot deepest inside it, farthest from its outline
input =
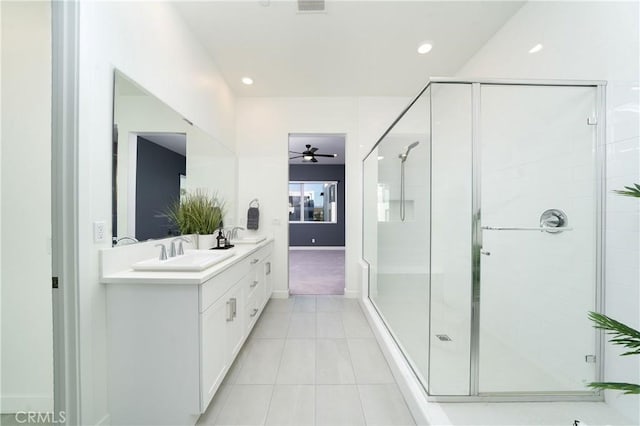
(407, 148)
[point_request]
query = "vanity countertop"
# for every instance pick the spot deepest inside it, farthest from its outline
(130, 276)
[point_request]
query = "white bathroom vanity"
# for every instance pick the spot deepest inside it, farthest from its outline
(172, 336)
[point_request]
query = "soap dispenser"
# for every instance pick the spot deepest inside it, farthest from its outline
(221, 241)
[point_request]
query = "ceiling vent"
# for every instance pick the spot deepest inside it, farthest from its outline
(311, 6)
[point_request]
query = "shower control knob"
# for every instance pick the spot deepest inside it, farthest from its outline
(553, 220)
(486, 253)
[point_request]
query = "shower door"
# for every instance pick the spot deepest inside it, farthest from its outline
(537, 151)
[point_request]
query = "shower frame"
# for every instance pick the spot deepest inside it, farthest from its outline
(476, 240)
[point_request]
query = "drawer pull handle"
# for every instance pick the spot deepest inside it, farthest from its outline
(229, 311)
(255, 283)
(254, 261)
(234, 303)
(254, 312)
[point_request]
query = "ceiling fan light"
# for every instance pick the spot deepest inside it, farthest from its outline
(307, 157)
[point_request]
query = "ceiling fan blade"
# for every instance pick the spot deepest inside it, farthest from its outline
(295, 152)
(314, 149)
(297, 156)
(313, 160)
(326, 155)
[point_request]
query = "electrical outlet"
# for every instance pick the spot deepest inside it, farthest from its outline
(99, 229)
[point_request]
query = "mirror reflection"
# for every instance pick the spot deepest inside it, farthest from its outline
(157, 156)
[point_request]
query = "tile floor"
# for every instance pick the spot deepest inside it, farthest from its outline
(310, 360)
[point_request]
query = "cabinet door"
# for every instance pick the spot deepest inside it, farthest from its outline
(215, 355)
(235, 331)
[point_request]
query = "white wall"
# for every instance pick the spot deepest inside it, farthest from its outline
(27, 339)
(149, 43)
(263, 127)
(589, 40)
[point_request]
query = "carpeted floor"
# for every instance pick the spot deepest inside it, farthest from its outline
(316, 271)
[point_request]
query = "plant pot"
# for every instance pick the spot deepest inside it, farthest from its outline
(206, 241)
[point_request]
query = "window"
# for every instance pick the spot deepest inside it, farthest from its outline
(313, 202)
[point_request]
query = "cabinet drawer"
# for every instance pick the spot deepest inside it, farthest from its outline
(213, 289)
(254, 305)
(262, 253)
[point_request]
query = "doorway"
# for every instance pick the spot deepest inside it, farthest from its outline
(316, 191)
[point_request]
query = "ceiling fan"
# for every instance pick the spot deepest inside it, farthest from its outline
(310, 155)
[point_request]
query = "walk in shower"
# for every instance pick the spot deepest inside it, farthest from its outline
(482, 231)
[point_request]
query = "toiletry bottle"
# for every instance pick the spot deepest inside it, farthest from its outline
(221, 241)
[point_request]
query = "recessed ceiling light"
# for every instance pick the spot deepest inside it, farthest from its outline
(536, 48)
(425, 47)
(247, 80)
(380, 157)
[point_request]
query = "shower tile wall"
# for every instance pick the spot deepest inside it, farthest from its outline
(622, 256)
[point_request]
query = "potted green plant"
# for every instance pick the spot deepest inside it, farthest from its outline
(623, 335)
(198, 213)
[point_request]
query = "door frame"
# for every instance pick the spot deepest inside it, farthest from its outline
(346, 208)
(64, 209)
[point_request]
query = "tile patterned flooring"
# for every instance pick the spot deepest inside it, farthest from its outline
(310, 360)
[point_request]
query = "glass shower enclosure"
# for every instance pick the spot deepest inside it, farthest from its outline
(483, 235)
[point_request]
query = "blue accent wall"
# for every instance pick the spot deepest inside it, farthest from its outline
(157, 185)
(325, 234)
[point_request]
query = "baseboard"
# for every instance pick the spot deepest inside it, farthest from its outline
(411, 390)
(294, 248)
(280, 294)
(351, 294)
(21, 403)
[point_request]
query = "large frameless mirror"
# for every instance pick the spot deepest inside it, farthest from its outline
(158, 155)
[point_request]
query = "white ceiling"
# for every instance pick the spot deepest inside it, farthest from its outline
(176, 142)
(354, 48)
(326, 144)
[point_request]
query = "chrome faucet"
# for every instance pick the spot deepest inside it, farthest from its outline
(163, 251)
(234, 231)
(125, 240)
(172, 248)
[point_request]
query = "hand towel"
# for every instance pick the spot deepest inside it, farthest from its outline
(253, 214)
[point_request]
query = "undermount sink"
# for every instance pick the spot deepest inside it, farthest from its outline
(191, 261)
(249, 240)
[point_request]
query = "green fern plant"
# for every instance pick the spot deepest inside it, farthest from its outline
(196, 213)
(623, 335)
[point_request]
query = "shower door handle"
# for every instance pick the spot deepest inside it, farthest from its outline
(519, 228)
(484, 252)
